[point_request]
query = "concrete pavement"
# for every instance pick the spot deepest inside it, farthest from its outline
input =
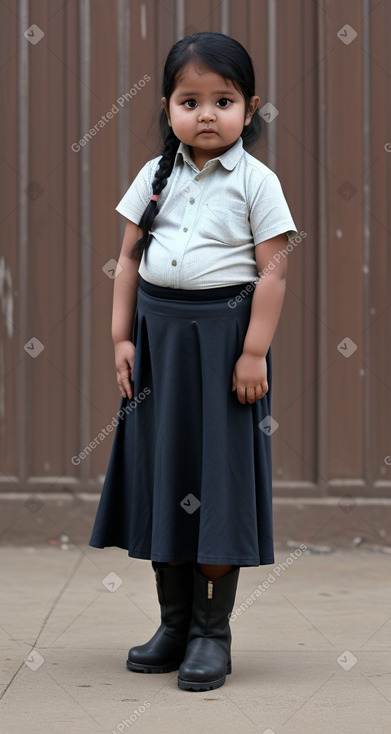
(311, 647)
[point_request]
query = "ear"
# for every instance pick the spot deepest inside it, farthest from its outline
(253, 104)
(166, 109)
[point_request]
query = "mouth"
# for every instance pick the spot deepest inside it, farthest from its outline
(207, 132)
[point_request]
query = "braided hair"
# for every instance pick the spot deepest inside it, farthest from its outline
(224, 56)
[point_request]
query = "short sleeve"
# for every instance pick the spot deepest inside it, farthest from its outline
(269, 212)
(136, 198)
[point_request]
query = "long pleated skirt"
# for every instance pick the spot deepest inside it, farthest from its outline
(189, 476)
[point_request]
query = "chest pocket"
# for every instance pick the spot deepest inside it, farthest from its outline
(226, 223)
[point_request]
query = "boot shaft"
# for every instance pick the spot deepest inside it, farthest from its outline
(213, 602)
(174, 586)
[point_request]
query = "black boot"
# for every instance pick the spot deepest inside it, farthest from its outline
(166, 649)
(208, 652)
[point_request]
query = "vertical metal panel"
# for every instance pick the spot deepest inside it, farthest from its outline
(345, 407)
(379, 369)
(103, 149)
(224, 17)
(69, 218)
(39, 371)
(166, 19)
(143, 133)
(54, 120)
(285, 130)
(85, 230)
(123, 152)
(322, 394)
(303, 195)
(12, 366)
(294, 445)
(257, 45)
(143, 22)
(179, 19)
(239, 21)
(9, 260)
(366, 219)
(23, 170)
(272, 80)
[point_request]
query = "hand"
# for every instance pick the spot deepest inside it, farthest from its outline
(249, 378)
(125, 352)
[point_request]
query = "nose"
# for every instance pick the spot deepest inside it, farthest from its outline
(206, 113)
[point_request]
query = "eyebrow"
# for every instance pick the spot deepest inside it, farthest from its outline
(189, 94)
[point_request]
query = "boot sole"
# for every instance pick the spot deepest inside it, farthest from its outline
(139, 668)
(188, 685)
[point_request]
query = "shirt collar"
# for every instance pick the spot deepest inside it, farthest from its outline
(229, 159)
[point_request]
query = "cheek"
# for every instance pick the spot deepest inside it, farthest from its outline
(182, 119)
(240, 118)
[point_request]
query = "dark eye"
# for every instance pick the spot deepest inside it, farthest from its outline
(191, 103)
(224, 102)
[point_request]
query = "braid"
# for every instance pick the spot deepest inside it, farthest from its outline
(163, 172)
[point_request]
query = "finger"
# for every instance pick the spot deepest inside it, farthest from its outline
(122, 391)
(241, 394)
(124, 383)
(259, 392)
(127, 385)
(125, 375)
(250, 394)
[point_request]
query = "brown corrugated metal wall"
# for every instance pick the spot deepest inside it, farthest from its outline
(326, 67)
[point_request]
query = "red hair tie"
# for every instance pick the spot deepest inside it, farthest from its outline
(154, 197)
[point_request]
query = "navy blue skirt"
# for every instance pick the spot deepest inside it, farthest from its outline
(189, 477)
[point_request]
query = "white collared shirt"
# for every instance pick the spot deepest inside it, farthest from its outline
(208, 221)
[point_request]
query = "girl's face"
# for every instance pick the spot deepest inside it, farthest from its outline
(204, 101)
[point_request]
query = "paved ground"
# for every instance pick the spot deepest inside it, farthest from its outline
(310, 654)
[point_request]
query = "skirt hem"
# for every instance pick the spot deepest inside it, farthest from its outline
(163, 558)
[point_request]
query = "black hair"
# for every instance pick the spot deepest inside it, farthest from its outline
(224, 56)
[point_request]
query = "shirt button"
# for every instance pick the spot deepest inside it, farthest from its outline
(173, 262)
(191, 201)
(185, 229)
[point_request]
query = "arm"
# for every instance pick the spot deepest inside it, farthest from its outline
(250, 374)
(124, 308)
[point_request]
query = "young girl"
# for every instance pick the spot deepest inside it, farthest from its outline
(196, 304)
